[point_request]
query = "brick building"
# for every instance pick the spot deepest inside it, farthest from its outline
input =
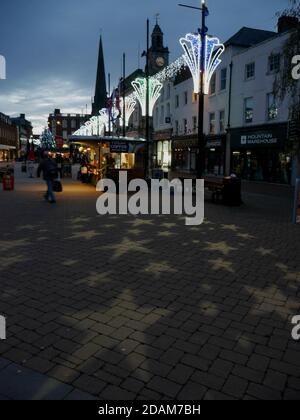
(64, 125)
(8, 139)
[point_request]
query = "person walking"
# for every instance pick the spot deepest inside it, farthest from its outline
(50, 172)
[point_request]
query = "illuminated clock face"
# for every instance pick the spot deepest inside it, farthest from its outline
(160, 61)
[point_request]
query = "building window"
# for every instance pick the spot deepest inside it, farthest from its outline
(223, 82)
(65, 124)
(162, 96)
(212, 123)
(213, 84)
(157, 116)
(222, 121)
(195, 127)
(185, 98)
(250, 71)
(168, 92)
(274, 63)
(194, 98)
(168, 115)
(73, 124)
(272, 107)
(176, 128)
(162, 115)
(65, 135)
(177, 101)
(185, 126)
(248, 110)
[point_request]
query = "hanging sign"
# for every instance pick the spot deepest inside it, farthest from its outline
(296, 213)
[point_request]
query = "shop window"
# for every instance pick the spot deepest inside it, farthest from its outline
(272, 107)
(250, 71)
(222, 121)
(159, 153)
(248, 110)
(274, 63)
(223, 81)
(213, 84)
(212, 123)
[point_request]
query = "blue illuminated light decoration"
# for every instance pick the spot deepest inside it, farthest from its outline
(192, 45)
(140, 87)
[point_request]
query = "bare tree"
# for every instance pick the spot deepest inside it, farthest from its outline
(286, 86)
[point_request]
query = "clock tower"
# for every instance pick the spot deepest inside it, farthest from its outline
(158, 54)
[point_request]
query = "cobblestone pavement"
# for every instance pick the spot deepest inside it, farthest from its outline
(123, 307)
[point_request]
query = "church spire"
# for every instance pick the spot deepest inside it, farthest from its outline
(100, 99)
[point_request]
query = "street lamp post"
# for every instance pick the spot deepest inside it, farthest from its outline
(201, 136)
(124, 96)
(147, 105)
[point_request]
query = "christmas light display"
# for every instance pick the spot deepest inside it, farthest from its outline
(130, 104)
(140, 87)
(192, 45)
(47, 141)
(95, 126)
(171, 71)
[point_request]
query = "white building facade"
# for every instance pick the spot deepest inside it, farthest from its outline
(246, 128)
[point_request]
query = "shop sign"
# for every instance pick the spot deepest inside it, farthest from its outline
(296, 213)
(265, 137)
(119, 147)
(214, 143)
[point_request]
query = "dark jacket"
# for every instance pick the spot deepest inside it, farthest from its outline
(49, 168)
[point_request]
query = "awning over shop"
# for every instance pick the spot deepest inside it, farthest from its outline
(116, 144)
(5, 147)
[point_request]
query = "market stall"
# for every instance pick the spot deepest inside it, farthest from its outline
(104, 157)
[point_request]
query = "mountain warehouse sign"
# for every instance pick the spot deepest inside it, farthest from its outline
(268, 136)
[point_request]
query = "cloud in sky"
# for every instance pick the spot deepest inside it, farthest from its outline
(51, 47)
(36, 102)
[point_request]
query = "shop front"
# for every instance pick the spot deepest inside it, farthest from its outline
(104, 157)
(7, 153)
(215, 155)
(184, 157)
(259, 153)
(163, 150)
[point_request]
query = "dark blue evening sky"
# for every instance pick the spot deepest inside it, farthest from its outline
(51, 46)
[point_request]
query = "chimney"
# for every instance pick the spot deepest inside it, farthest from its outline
(57, 111)
(286, 23)
(22, 116)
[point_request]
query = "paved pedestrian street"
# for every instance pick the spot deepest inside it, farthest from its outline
(123, 307)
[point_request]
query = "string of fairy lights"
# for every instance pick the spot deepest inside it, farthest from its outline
(192, 46)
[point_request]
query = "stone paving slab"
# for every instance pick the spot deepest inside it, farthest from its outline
(20, 383)
(125, 307)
